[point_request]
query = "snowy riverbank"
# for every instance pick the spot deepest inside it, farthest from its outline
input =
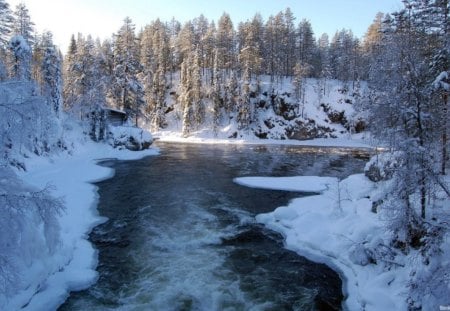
(334, 228)
(339, 228)
(48, 281)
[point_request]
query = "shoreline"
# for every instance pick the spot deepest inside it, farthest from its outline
(72, 177)
(344, 143)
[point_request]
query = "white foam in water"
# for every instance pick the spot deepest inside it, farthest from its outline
(183, 269)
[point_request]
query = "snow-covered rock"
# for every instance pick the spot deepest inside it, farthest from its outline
(131, 138)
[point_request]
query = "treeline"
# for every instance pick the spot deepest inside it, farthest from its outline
(134, 69)
(215, 62)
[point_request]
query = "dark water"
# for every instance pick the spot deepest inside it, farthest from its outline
(182, 236)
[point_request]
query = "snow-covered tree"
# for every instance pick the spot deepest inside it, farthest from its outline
(20, 58)
(126, 88)
(404, 114)
(225, 41)
(155, 61)
(186, 98)
(191, 94)
(197, 98)
(231, 94)
(299, 84)
(51, 72)
(244, 106)
(22, 24)
(185, 42)
(216, 94)
(6, 20)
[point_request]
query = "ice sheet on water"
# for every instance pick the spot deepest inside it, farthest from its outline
(297, 183)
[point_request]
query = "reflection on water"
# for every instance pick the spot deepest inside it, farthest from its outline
(182, 236)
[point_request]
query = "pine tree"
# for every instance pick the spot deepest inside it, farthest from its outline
(370, 46)
(249, 56)
(226, 43)
(22, 24)
(245, 111)
(273, 43)
(306, 44)
(209, 43)
(231, 95)
(216, 94)
(186, 98)
(299, 84)
(185, 41)
(201, 26)
(6, 20)
(289, 42)
(197, 100)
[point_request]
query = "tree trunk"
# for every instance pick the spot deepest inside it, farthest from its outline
(444, 134)
(423, 197)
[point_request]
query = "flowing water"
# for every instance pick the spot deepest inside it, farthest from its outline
(182, 236)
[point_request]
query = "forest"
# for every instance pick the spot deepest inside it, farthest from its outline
(210, 72)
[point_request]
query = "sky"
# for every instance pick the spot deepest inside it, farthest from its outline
(101, 18)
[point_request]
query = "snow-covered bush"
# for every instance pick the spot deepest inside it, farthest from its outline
(28, 123)
(382, 166)
(128, 137)
(430, 283)
(29, 231)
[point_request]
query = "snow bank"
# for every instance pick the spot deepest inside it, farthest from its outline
(49, 280)
(351, 141)
(338, 228)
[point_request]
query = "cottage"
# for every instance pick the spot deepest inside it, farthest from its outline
(115, 117)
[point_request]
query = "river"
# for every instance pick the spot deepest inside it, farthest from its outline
(182, 236)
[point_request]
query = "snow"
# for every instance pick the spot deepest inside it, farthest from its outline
(442, 81)
(337, 227)
(299, 184)
(50, 280)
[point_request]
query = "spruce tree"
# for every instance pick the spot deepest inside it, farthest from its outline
(20, 58)
(51, 68)
(126, 90)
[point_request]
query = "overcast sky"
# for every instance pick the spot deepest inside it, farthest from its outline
(101, 18)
